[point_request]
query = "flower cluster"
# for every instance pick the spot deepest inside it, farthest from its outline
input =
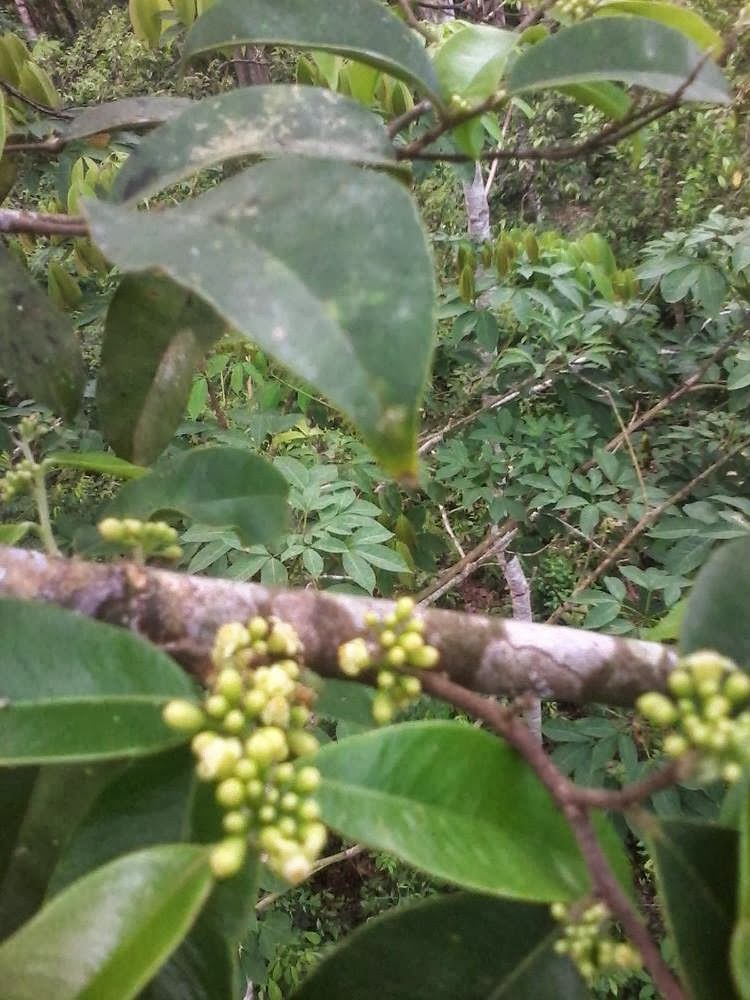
(586, 940)
(395, 643)
(149, 538)
(19, 479)
(576, 10)
(247, 733)
(707, 712)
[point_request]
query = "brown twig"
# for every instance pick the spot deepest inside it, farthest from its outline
(216, 407)
(42, 224)
(42, 108)
(496, 539)
(576, 811)
(413, 21)
(645, 522)
(406, 119)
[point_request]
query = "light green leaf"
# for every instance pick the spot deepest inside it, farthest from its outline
(716, 615)
(383, 558)
(373, 36)
(457, 945)
(696, 867)
(607, 97)
(12, 534)
(457, 803)
(96, 461)
(683, 19)
(106, 936)
(223, 486)
(472, 61)
(355, 321)
(633, 50)
(39, 349)
(155, 336)
(262, 121)
(359, 570)
(128, 113)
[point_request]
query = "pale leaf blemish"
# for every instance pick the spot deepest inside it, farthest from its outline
(278, 334)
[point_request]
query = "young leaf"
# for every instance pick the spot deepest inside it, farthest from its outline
(472, 61)
(457, 945)
(716, 614)
(107, 934)
(633, 50)
(128, 113)
(354, 321)
(370, 33)
(454, 802)
(155, 337)
(696, 867)
(687, 22)
(260, 121)
(39, 349)
(223, 486)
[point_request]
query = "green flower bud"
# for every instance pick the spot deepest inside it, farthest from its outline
(299, 716)
(246, 769)
(288, 827)
(283, 639)
(731, 772)
(231, 637)
(289, 802)
(424, 658)
(410, 642)
(236, 822)
(227, 858)
(404, 608)
(257, 628)
(387, 638)
(219, 759)
(675, 745)
(559, 911)
(386, 679)
(657, 708)
(309, 810)
(680, 684)
(183, 716)
(285, 774)
(354, 657)
(217, 706)
(717, 707)
(382, 709)
(171, 552)
(200, 741)
(230, 793)
(737, 687)
(296, 869)
(708, 688)
(254, 702)
(271, 839)
(234, 721)
(314, 839)
(412, 687)
(302, 744)
(111, 529)
(308, 780)
(229, 684)
(276, 712)
(254, 790)
(278, 682)
(395, 657)
(267, 814)
(707, 665)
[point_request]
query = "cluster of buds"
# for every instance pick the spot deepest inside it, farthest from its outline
(396, 643)
(586, 940)
(707, 713)
(18, 480)
(576, 10)
(149, 539)
(246, 736)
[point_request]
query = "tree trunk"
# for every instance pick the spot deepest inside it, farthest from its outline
(25, 19)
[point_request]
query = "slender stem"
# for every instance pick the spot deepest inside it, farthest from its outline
(42, 224)
(39, 493)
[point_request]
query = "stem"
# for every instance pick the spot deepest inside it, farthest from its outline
(39, 493)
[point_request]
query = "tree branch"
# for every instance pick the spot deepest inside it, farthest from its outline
(181, 614)
(14, 220)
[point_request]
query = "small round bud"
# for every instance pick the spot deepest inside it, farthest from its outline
(737, 687)
(395, 657)
(235, 822)
(387, 638)
(287, 827)
(308, 780)
(657, 708)
(276, 712)
(314, 838)
(424, 658)
(183, 716)
(675, 745)
(717, 707)
(731, 772)
(354, 657)
(285, 774)
(411, 686)
(680, 683)
(230, 793)
(386, 679)
(382, 709)
(410, 642)
(298, 716)
(309, 810)
(234, 722)
(217, 706)
(227, 858)
(289, 802)
(559, 911)
(200, 741)
(404, 608)
(229, 683)
(296, 869)
(254, 790)
(231, 637)
(267, 814)
(246, 769)
(371, 619)
(111, 529)
(302, 744)
(254, 702)
(706, 665)
(257, 627)
(219, 759)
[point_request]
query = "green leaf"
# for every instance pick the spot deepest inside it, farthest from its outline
(107, 934)
(373, 35)
(472, 61)
(346, 701)
(359, 569)
(457, 803)
(383, 557)
(696, 866)
(687, 22)
(155, 336)
(75, 689)
(128, 113)
(606, 97)
(223, 486)
(38, 828)
(262, 121)
(716, 614)
(39, 349)
(458, 945)
(355, 321)
(96, 461)
(740, 947)
(633, 50)
(12, 534)
(667, 629)
(710, 288)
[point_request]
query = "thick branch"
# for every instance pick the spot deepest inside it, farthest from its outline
(181, 613)
(14, 220)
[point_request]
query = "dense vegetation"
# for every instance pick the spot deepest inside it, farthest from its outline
(413, 310)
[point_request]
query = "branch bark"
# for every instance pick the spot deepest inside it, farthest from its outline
(181, 614)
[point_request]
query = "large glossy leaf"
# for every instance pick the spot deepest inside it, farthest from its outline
(472, 61)
(456, 946)
(634, 50)
(457, 803)
(261, 121)
(371, 34)
(696, 866)
(38, 829)
(716, 614)
(128, 113)
(155, 336)
(39, 349)
(323, 265)
(74, 689)
(683, 19)
(107, 934)
(229, 487)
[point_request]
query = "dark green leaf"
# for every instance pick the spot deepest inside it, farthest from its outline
(740, 948)
(96, 461)
(155, 337)
(456, 946)
(107, 934)
(223, 486)
(633, 50)
(39, 349)
(373, 36)
(128, 113)
(696, 866)
(346, 701)
(716, 614)
(263, 121)
(337, 285)
(457, 803)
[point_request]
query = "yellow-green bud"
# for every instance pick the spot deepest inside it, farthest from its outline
(219, 759)
(707, 665)
(395, 657)
(287, 826)
(307, 780)
(289, 801)
(296, 869)
(314, 837)
(412, 686)
(387, 638)
(230, 637)
(235, 822)
(424, 658)
(404, 608)
(234, 722)
(254, 702)
(229, 683)
(716, 708)
(217, 706)
(675, 745)
(183, 716)
(302, 744)
(354, 657)
(411, 642)
(257, 627)
(386, 679)
(680, 684)
(230, 793)
(737, 687)
(309, 810)
(246, 769)
(657, 708)
(276, 712)
(111, 529)
(227, 857)
(382, 708)
(254, 790)
(732, 772)
(285, 774)
(267, 814)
